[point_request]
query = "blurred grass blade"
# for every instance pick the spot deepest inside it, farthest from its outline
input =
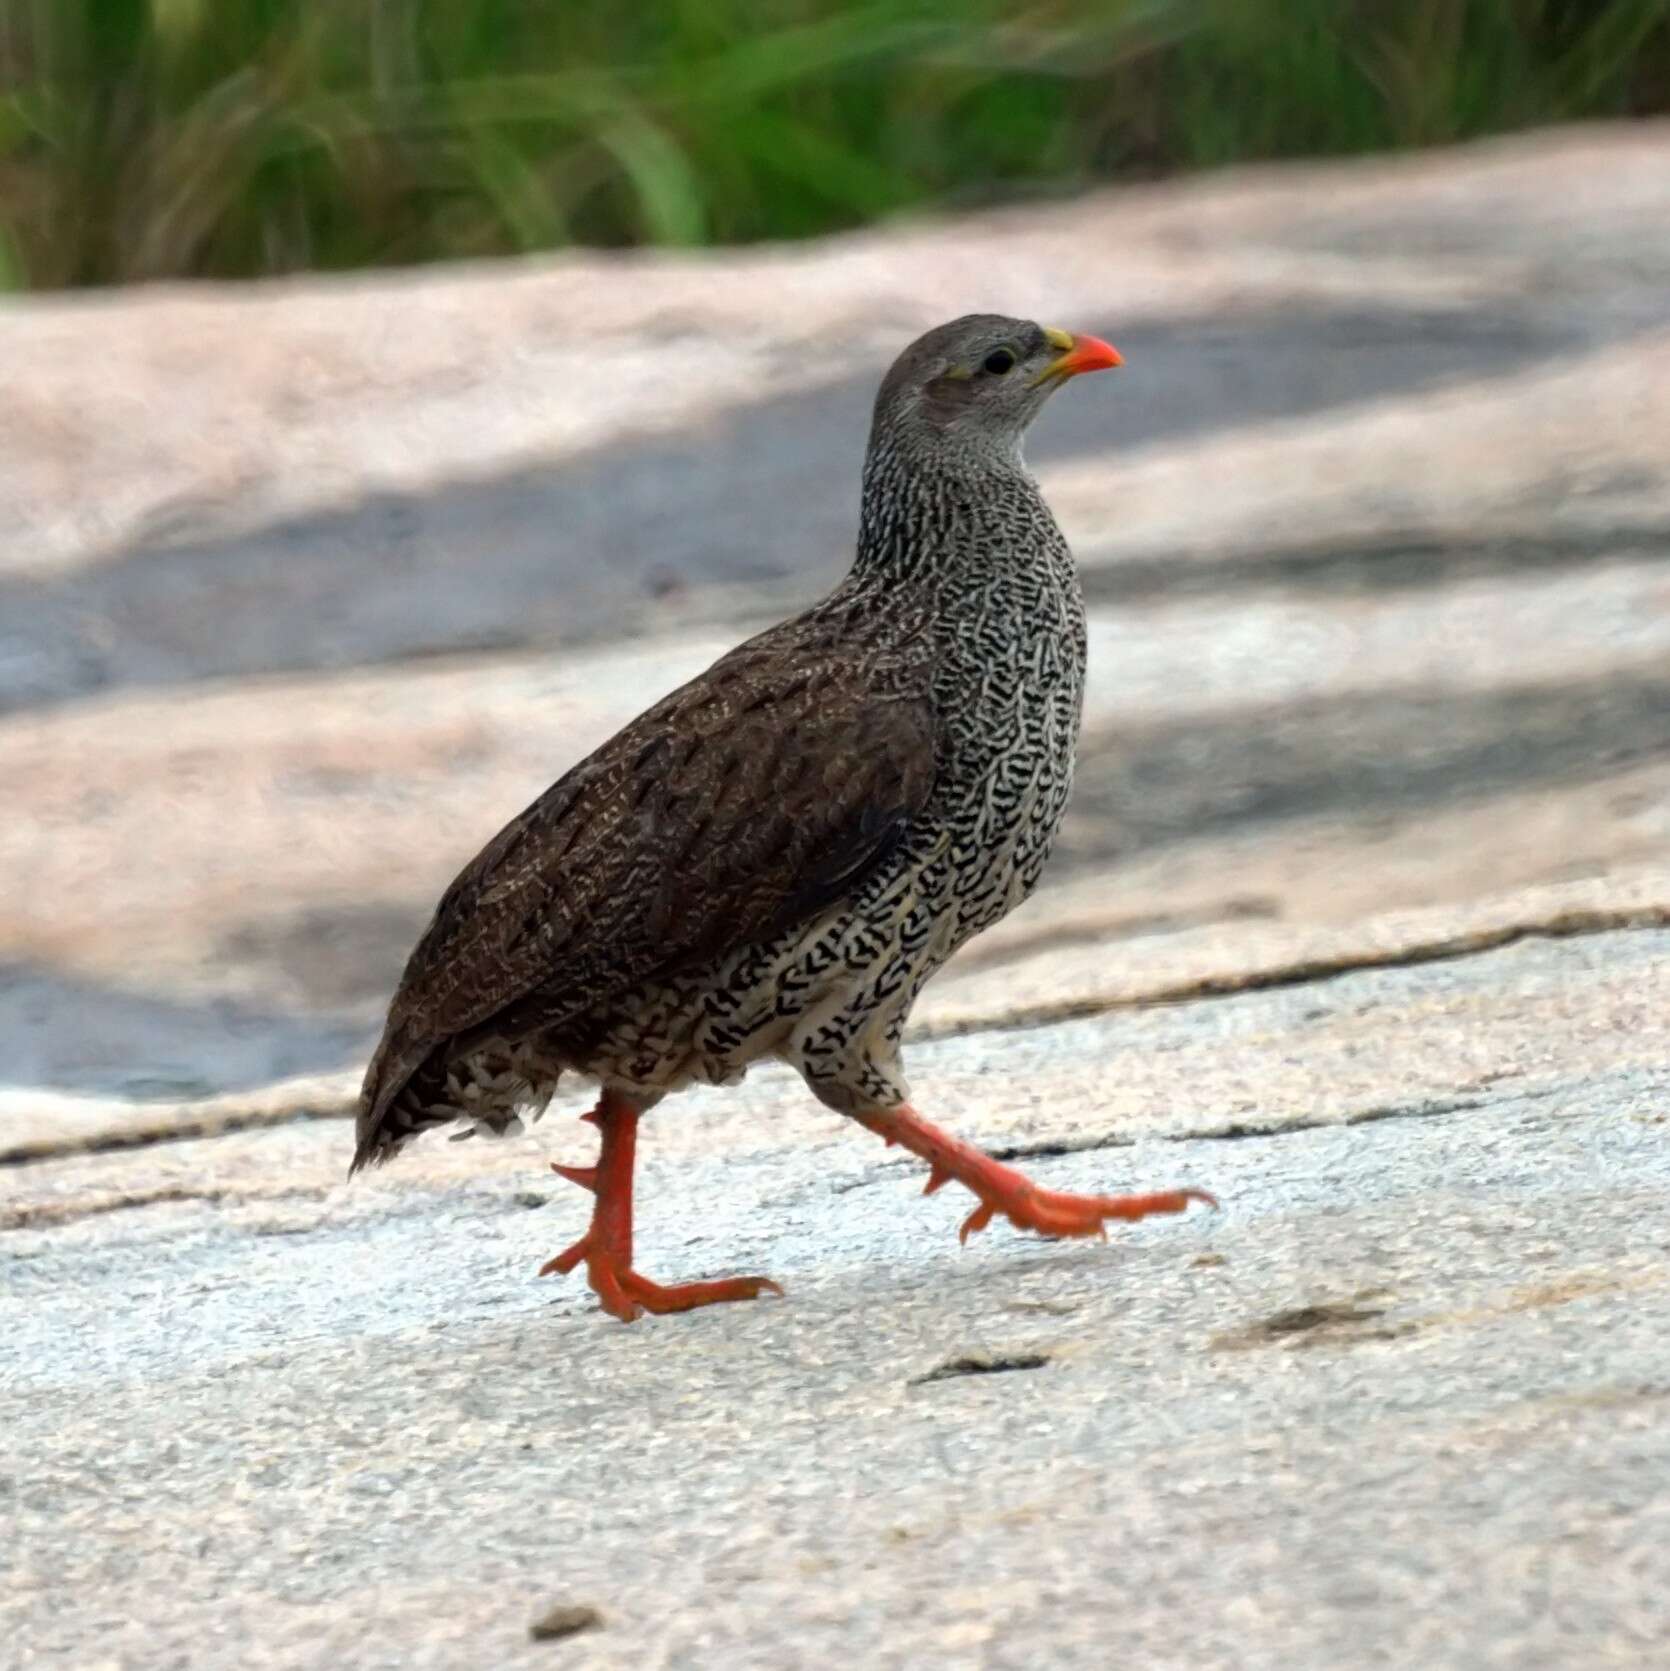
(13, 274)
(804, 155)
(238, 137)
(668, 193)
(516, 189)
(761, 65)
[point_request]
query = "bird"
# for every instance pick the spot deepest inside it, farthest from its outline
(771, 862)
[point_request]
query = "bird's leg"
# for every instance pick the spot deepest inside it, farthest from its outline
(606, 1248)
(1001, 1189)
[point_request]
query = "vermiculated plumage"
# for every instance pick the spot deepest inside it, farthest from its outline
(774, 859)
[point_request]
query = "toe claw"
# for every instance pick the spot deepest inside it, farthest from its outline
(611, 1290)
(584, 1176)
(565, 1261)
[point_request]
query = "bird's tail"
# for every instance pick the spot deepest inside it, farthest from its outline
(485, 1093)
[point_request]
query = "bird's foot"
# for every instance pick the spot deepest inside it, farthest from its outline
(1053, 1212)
(1001, 1189)
(606, 1248)
(623, 1293)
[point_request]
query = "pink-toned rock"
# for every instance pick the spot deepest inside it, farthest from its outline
(1373, 526)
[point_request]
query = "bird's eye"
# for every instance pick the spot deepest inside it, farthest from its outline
(998, 361)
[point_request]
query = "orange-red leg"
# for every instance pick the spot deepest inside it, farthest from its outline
(606, 1248)
(1001, 1189)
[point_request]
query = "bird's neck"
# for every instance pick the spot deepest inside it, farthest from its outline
(947, 520)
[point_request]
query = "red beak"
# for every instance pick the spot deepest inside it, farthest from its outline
(1078, 354)
(1088, 354)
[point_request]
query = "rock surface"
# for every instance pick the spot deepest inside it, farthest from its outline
(1361, 921)
(1404, 1400)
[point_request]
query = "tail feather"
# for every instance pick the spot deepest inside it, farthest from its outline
(382, 1132)
(484, 1089)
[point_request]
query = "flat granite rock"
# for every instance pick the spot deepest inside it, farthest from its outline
(1403, 1400)
(1360, 920)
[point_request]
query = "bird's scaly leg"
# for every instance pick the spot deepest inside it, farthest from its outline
(606, 1248)
(1001, 1189)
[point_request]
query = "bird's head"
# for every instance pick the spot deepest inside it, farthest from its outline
(974, 385)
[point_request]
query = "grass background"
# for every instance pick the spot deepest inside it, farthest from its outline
(226, 138)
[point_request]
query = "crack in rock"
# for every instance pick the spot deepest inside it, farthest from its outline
(1052, 1148)
(53, 1214)
(981, 1364)
(1310, 1325)
(1569, 925)
(567, 1620)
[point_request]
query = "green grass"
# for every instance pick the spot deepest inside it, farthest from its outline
(151, 138)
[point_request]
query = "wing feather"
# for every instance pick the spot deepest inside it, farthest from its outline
(745, 801)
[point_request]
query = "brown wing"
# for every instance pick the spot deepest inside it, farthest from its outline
(744, 801)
